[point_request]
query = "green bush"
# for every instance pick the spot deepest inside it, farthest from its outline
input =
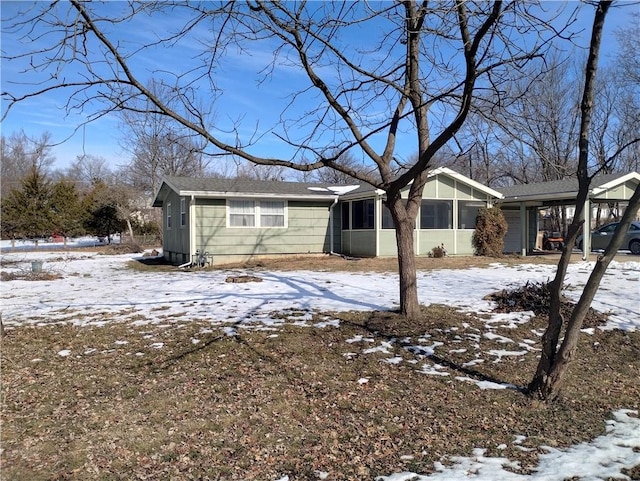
(491, 228)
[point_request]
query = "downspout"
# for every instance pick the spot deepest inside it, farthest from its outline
(192, 227)
(335, 202)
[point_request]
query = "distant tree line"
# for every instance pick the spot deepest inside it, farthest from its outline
(86, 199)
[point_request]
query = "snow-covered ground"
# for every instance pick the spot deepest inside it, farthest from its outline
(97, 289)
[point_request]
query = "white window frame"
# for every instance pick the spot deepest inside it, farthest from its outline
(183, 212)
(257, 214)
(169, 216)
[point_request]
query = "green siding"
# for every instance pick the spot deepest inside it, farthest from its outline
(431, 188)
(359, 243)
(446, 187)
(175, 241)
(388, 243)
(307, 231)
(430, 238)
(464, 191)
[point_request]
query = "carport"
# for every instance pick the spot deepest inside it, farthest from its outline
(522, 202)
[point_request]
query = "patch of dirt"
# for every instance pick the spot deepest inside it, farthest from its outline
(243, 279)
(29, 276)
(536, 297)
(327, 262)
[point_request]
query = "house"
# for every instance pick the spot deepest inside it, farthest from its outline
(521, 204)
(237, 219)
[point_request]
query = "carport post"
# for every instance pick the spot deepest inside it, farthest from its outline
(586, 230)
(523, 229)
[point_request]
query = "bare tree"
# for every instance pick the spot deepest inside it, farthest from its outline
(556, 357)
(366, 75)
(21, 155)
(337, 177)
(158, 145)
(89, 169)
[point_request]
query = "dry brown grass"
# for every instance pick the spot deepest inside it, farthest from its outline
(268, 403)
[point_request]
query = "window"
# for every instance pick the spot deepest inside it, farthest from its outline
(345, 216)
(254, 213)
(467, 213)
(272, 213)
(436, 214)
(169, 215)
(242, 213)
(387, 220)
(363, 214)
(183, 212)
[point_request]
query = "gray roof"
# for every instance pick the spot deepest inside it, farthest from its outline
(566, 188)
(244, 186)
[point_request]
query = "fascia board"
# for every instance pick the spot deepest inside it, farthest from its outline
(254, 195)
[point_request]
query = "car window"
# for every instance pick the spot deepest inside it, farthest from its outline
(634, 227)
(609, 228)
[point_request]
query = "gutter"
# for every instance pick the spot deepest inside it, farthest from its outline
(335, 202)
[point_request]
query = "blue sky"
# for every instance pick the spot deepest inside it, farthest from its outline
(257, 107)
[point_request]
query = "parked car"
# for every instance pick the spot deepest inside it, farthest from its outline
(601, 237)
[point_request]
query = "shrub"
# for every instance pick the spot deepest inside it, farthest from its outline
(491, 228)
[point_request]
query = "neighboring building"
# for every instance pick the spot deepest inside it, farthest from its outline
(234, 219)
(522, 203)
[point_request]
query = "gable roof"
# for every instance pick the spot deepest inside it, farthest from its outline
(563, 189)
(366, 189)
(223, 188)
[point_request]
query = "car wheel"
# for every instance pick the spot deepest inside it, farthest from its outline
(634, 246)
(548, 246)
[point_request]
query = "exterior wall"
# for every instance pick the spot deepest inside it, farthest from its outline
(308, 232)
(361, 243)
(456, 241)
(175, 240)
(430, 238)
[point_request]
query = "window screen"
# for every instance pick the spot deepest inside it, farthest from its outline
(363, 214)
(436, 214)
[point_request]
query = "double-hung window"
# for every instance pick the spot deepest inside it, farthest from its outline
(271, 213)
(169, 215)
(242, 213)
(183, 212)
(256, 213)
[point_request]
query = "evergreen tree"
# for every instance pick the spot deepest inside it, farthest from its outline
(27, 212)
(69, 213)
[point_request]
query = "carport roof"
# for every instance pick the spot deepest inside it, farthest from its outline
(566, 189)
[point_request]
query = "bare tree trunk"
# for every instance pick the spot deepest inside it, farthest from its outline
(404, 214)
(409, 304)
(549, 380)
(553, 364)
